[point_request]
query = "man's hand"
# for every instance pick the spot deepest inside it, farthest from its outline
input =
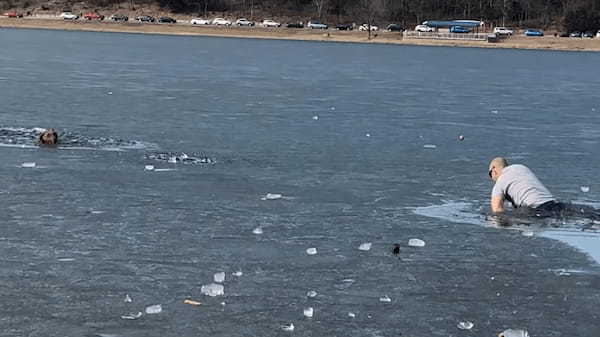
(497, 204)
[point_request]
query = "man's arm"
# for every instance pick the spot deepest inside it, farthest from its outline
(497, 204)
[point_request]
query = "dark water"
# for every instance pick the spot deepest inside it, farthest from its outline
(338, 129)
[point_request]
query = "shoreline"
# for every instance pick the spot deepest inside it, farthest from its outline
(381, 37)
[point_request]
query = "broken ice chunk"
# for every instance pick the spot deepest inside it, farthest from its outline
(385, 299)
(219, 277)
(127, 299)
(288, 327)
(416, 243)
(238, 274)
(311, 294)
(28, 165)
(257, 231)
(311, 251)
(154, 309)
(365, 246)
(429, 146)
(585, 189)
(351, 315)
(212, 290)
(514, 333)
(149, 168)
(132, 315)
(273, 196)
(465, 325)
(308, 312)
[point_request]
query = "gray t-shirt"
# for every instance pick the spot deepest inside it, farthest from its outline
(521, 187)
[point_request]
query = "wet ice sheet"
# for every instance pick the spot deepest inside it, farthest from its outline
(467, 213)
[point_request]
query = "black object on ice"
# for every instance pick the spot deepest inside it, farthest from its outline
(396, 249)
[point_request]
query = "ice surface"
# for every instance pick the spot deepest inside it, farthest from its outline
(588, 242)
(453, 211)
(213, 289)
(514, 333)
(416, 243)
(311, 251)
(219, 277)
(154, 309)
(365, 246)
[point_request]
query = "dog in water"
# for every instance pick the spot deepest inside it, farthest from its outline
(48, 137)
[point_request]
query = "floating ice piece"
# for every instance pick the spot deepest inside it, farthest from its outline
(154, 309)
(368, 135)
(585, 189)
(365, 246)
(308, 312)
(28, 165)
(311, 294)
(127, 299)
(288, 327)
(148, 167)
(191, 302)
(461, 137)
(273, 196)
(223, 303)
(416, 243)
(316, 118)
(514, 333)
(311, 251)
(212, 290)
(430, 146)
(97, 212)
(163, 170)
(465, 325)
(385, 299)
(351, 315)
(173, 160)
(332, 108)
(110, 93)
(219, 277)
(495, 111)
(257, 231)
(132, 315)
(527, 233)
(238, 274)
(66, 259)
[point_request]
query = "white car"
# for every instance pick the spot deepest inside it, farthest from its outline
(221, 22)
(69, 16)
(503, 31)
(270, 23)
(199, 21)
(244, 22)
(424, 28)
(598, 34)
(365, 27)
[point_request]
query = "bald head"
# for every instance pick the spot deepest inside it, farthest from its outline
(496, 166)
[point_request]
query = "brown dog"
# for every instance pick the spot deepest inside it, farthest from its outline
(48, 137)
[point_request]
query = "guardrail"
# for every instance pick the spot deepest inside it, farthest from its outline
(446, 36)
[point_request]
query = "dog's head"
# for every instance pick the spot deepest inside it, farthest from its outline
(48, 137)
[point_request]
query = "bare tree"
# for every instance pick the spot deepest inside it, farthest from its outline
(319, 6)
(369, 11)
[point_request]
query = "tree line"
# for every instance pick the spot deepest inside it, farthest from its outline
(582, 15)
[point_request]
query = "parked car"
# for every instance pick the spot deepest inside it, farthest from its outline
(598, 34)
(166, 19)
(424, 28)
(563, 34)
(145, 18)
(533, 32)
(69, 16)
(13, 14)
(93, 16)
(221, 22)
(316, 25)
(394, 27)
(119, 18)
(200, 21)
(270, 23)
(503, 31)
(588, 35)
(575, 34)
(295, 25)
(365, 27)
(244, 22)
(344, 26)
(459, 30)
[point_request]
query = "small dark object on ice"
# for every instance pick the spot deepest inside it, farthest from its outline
(396, 249)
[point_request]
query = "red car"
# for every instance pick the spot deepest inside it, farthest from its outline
(13, 14)
(93, 16)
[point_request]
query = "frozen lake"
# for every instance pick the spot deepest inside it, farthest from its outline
(172, 145)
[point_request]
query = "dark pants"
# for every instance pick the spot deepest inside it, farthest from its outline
(561, 210)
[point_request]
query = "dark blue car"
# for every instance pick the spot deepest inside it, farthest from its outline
(534, 32)
(459, 29)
